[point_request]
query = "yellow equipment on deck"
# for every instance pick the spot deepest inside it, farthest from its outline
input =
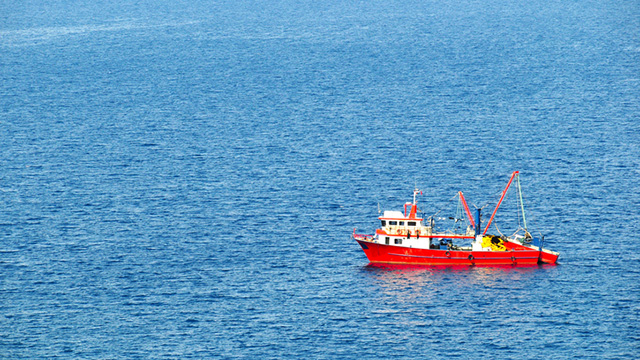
(493, 242)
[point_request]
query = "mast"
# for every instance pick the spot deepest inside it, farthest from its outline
(414, 206)
(504, 192)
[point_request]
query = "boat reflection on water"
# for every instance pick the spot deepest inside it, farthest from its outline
(456, 268)
(408, 282)
(445, 303)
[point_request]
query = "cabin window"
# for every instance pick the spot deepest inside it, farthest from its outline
(401, 223)
(411, 223)
(386, 240)
(393, 223)
(384, 223)
(398, 241)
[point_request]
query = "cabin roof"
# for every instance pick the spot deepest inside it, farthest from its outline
(396, 215)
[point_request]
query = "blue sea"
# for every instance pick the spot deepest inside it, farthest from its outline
(180, 179)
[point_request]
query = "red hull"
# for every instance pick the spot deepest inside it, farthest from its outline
(516, 255)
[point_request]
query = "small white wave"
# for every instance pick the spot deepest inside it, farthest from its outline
(39, 35)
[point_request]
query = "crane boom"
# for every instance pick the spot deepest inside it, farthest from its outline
(504, 192)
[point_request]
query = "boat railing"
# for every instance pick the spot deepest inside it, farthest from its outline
(364, 237)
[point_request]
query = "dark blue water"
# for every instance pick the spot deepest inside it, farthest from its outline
(180, 179)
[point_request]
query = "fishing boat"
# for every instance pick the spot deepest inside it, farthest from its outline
(405, 238)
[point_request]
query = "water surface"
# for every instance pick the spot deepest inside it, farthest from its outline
(179, 180)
